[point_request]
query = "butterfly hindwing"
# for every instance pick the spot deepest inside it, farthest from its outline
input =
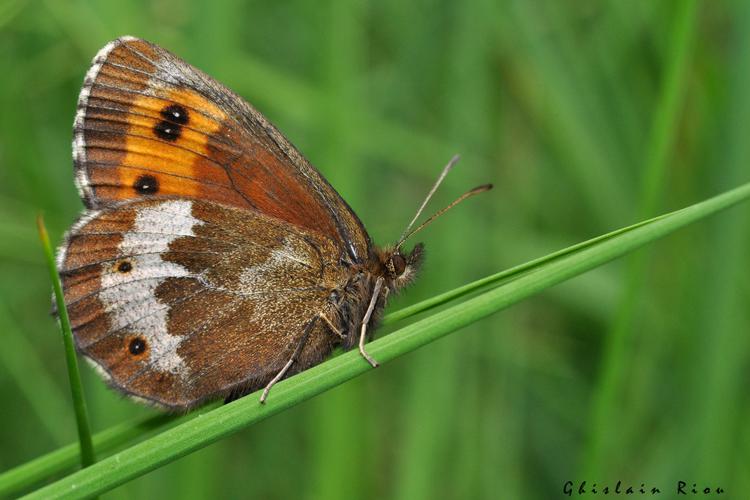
(148, 124)
(179, 301)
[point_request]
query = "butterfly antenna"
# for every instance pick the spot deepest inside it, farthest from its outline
(439, 181)
(467, 194)
(408, 232)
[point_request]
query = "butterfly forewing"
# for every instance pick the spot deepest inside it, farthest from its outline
(178, 301)
(149, 124)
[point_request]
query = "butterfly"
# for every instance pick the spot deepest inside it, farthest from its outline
(212, 259)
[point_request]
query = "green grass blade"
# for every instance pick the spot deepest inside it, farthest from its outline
(76, 388)
(210, 426)
(62, 459)
(503, 276)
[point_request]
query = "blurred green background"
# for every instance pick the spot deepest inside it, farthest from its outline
(586, 115)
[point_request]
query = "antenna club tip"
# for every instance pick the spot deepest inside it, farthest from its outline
(451, 163)
(482, 188)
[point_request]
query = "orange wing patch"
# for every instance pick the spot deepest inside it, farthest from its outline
(167, 147)
(138, 135)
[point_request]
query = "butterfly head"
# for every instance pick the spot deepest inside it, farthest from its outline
(400, 267)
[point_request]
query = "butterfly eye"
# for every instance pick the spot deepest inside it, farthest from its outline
(124, 266)
(399, 264)
(137, 346)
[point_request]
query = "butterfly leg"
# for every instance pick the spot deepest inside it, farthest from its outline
(331, 325)
(292, 359)
(366, 319)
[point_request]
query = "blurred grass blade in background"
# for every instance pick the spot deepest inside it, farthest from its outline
(612, 380)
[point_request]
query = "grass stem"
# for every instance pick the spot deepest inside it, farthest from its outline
(74, 375)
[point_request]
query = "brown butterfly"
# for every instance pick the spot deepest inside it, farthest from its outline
(213, 259)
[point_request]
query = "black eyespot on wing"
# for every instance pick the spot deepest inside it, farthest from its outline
(176, 114)
(124, 266)
(146, 184)
(169, 131)
(137, 346)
